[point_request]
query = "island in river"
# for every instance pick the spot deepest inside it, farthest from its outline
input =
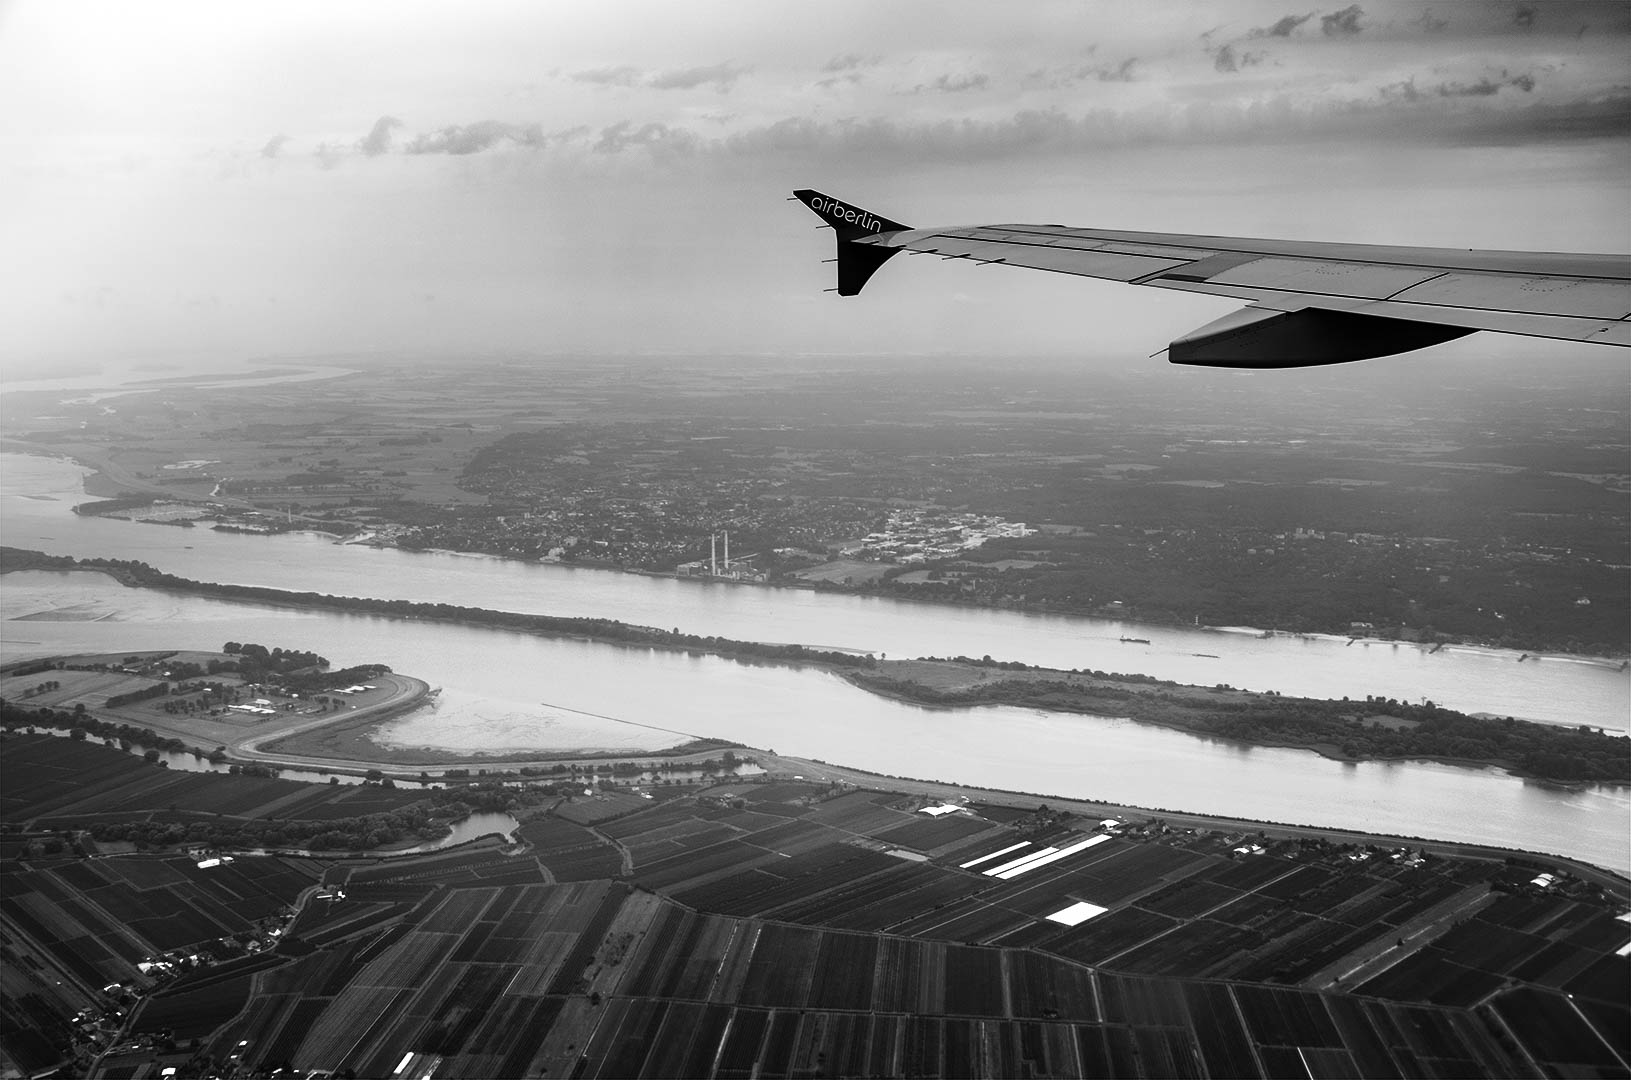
(1370, 729)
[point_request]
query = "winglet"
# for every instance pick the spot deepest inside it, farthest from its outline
(856, 262)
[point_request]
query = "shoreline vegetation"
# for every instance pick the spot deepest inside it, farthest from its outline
(1372, 729)
(1375, 728)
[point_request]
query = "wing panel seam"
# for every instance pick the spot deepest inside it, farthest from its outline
(1424, 281)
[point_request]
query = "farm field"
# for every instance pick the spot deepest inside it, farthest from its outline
(100, 917)
(501, 980)
(790, 929)
(64, 783)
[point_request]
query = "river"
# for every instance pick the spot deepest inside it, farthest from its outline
(37, 493)
(810, 712)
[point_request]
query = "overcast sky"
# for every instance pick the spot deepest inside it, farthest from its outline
(480, 178)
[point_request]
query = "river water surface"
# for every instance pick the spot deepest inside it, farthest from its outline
(37, 494)
(810, 712)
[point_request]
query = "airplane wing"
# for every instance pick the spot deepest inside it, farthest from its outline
(1311, 303)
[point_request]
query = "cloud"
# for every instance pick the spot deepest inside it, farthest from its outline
(1486, 87)
(473, 138)
(1061, 77)
(1396, 114)
(378, 141)
(720, 76)
(851, 62)
(1342, 23)
(623, 75)
(655, 137)
(1123, 72)
(273, 145)
(1228, 61)
(1430, 23)
(1283, 27)
(957, 84)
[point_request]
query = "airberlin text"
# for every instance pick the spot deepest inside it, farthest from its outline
(843, 213)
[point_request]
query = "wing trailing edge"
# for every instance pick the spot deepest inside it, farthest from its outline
(1311, 303)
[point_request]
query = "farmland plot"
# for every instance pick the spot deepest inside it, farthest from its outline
(773, 883)
(571, 852)
(768, 975)
(742, 1051)
(1200, 947)
(1143, 1002)
(654, 819)
(782, 966)
(797, 837)
(862, 812)
(893, 898)
(844, 971)
(978, 922)
(929, 835)
(600, 807)
(104, 924)
(1045, 987)
(976, 982)
(688, 834)
(194, 1014)
(696, 866)
(1225, 1048)
(686, 953)
(39, 773)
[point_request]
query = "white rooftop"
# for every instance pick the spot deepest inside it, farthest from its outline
(1079, 912)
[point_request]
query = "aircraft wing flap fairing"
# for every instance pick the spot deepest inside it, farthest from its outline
(1313, 303)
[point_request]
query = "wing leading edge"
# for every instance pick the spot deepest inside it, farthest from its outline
(1311, 303)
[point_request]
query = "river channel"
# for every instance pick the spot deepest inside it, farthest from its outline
(809, 712)
(37, 494)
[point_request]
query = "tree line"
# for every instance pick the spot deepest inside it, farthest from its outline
(140, 574)
(1353, 729)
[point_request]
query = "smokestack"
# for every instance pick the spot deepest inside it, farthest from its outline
(713, 553)
(727, 550)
